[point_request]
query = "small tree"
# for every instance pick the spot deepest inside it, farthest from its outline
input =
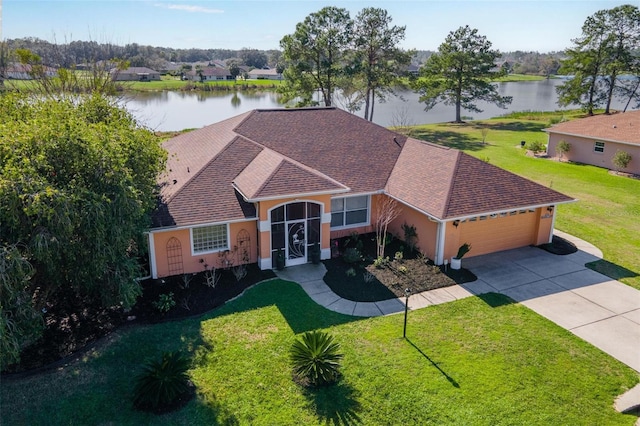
(484, 131)
(386, 211)
(621, 160)
(562, 148)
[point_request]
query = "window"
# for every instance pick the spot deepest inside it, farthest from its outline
(598, 147)
(206, 239)
(349, 211)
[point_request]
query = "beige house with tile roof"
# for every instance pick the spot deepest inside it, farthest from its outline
(248, 187)
(595, 140)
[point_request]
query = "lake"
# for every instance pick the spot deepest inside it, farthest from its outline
(175, 110)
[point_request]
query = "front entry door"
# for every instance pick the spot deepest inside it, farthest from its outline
(296, 243)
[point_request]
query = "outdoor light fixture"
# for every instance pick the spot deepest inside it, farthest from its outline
(456, 223)
(407, 293)
(550, 209)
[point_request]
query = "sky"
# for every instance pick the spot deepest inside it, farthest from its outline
(542, 25)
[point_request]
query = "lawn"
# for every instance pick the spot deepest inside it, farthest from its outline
(480, 361)
(608, 211)
(172, 83)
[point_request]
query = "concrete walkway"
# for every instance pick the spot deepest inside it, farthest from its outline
(602, 311)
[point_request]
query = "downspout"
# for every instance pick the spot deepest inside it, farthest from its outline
(152, 257)
(440, 234)
(553, 225)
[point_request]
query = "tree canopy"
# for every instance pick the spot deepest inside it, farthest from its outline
(377, 59)
(608, 48)
(77, 186)
(459, 73)
(314, 55)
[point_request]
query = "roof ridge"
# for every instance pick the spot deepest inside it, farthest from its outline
(452, 183)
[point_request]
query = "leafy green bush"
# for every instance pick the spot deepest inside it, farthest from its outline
(563, 147)
(398, 256)
(162, 381)
(621, 159)
(352, 255)
(350, 272)
(381, 262)
(165, 302)
(536, 146)
(316, 358)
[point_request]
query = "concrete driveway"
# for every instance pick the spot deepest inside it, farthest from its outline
(602, 311)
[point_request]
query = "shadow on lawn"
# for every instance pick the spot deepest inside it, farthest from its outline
(611, 270)
(444, 373)
(336, 405)
(449, 139)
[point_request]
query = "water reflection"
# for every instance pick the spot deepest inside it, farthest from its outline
(175, 110)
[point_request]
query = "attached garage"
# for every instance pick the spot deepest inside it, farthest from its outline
(496, 232)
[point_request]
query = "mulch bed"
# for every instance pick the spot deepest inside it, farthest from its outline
(73, 324)
(363, 282)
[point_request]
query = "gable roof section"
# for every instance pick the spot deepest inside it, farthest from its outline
(209, 197)
(271, 175)
(447, 183)
(619, 127)
(358, 154)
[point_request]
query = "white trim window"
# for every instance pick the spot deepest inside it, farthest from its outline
(349, 212)
(598, 147)
(209, 239)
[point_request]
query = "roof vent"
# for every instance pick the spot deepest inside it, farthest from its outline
(175, 181)
(615, 127)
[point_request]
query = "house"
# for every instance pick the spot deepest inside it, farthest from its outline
(265, 74)
(241, 190)
(209, 74)
(17, 71)
(596, 139)
(135, 74)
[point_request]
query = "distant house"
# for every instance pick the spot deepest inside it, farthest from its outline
(265, 74)
(209, 74)
(18, 71)
(595, 140)
(413, 69)
(135, 74)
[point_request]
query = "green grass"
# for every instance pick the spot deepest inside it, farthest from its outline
(480, 361)
(519, 77)
(172, 83)
(608, 211)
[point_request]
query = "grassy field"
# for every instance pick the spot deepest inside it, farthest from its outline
(608, 211)
(172, 83)
(480, 361)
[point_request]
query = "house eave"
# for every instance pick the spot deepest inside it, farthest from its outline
(292, 195)
(191, 225)
(592, 137)
(487, 213)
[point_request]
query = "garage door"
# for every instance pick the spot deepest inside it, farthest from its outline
(488, 234)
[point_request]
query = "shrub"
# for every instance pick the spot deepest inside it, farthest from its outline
(621, 159)
(410, 235)
(381, 262)
(562, 148)
(164, 303)
(161, 382)
(402, 269)
(350, 272)
(316, 358)
(398, 256)
(352, 255)
(535, 146)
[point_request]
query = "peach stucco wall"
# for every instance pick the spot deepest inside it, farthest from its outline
(427, 230)
(582, 152)
(191, 264)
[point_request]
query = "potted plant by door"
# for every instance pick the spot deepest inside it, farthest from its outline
(457, 260)
(280, 260)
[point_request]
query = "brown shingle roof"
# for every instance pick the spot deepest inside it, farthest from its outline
(618, 127)
(273, 153)
(448, 183)
(349, 149)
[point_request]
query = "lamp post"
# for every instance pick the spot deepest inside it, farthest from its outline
(407, 293)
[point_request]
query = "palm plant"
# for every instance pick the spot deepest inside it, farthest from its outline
(316, 358)
(162, 381)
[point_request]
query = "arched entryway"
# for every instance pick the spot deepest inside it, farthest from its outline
(295, 229)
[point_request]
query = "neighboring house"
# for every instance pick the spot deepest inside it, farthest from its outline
(240, 190)
(209, 74)
(135, 74)
(18, 71)
(265, 74)
(595, 140)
